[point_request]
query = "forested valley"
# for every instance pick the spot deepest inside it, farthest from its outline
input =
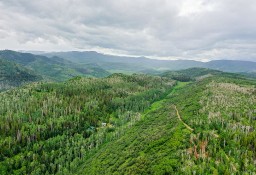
(145, 87)
(50, 128)
(194, 121)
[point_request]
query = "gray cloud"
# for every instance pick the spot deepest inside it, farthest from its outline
(188, 29)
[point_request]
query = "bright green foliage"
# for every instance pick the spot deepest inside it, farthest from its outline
(220, 109)
(51, 128)
(129, 125)
(148, 147)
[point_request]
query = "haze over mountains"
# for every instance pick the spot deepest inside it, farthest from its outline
(110, 62)
(115, 62)
(60, 66)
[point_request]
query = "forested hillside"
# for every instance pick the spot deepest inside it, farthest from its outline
(54, 68)
(51, 128)
(204, 127)
(13, 75)
(196, 74)
(191, 74)
(145, 87)
(131, 124)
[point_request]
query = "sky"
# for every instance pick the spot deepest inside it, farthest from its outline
(163, 29)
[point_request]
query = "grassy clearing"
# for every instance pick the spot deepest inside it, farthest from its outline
(179, 85)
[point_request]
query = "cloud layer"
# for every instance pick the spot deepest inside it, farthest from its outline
(188, 29)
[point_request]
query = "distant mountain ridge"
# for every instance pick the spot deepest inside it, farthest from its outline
(54, 68)
(140, 64)
(232, 65)
(61, 66)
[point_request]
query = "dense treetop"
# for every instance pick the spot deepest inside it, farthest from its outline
(195, 121)
(49, 128)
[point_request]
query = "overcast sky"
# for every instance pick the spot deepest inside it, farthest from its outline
(188, 29)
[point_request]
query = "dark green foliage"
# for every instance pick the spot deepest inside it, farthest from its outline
(198, 74)
(129, 125)
(191, 74)
(12, 75)
(251, 74)
(178, 76)
(54, 68)
(51, 128)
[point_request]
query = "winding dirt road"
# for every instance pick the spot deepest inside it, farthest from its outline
(188, 127)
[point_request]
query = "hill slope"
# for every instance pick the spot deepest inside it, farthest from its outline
(221, 112)
(136, 124)
(191, 74)
(197, 74)
(232, 65)
(54, 68)
(12, 75)
(50, 128)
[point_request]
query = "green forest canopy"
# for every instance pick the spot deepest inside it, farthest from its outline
(128, 124)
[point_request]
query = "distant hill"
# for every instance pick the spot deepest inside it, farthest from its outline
(249, 74)
(54, 68)
(193, 74)
(136, 64)
(232, 65)
(143, 64)
(12, 75)
(190, 74)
